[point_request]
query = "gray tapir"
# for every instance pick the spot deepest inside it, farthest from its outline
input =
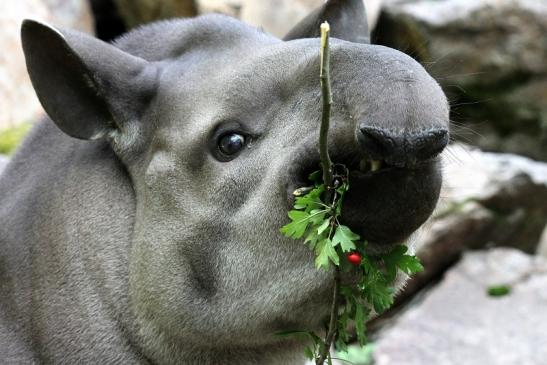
(140, 224)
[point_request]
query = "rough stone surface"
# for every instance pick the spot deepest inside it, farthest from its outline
(135, 12)
(489, 56)
(488, 199)
(542, 246)
(18, 102)
(275, 16)
(458, 323)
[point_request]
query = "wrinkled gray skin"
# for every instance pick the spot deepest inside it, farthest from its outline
(139, 242)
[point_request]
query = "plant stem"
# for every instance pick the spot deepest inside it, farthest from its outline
(328, 178)
(327, 101)
(331, 332)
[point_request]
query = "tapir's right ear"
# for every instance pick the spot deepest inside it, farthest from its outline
(347, 19)
(89, 88)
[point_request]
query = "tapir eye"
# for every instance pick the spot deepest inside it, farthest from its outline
(231, 143)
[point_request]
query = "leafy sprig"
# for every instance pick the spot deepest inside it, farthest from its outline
(315, 219)
(317, 223)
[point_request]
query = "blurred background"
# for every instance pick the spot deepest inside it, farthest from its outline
(483, 296)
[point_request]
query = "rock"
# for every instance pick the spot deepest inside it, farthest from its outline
(542, 246)
(487, 199)
(457, 322)
(3, 163)
(108, 22)
(135, 12)
(18, 103)
(275, 16)
(489, 55)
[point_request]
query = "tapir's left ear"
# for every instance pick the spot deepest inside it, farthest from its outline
(89, 88)
(347, 19)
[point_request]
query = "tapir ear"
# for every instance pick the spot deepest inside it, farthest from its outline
(89, 88)
(347, 19)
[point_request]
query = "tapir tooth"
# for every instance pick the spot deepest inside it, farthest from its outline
(375, 165)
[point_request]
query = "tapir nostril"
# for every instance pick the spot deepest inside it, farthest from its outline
(428, 144)
(376, 143)
(404, 149)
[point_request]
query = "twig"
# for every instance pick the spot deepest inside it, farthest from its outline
(328, 178)
(327, 101)
(331, 332)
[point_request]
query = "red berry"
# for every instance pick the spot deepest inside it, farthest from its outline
(354, 258)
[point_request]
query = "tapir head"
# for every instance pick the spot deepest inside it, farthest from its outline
(217, 124)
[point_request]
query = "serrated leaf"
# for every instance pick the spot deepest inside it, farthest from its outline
(297, 227)
(342, 334)
(317, 216)
(323, 226)
(410, 264)
(322, 259)
(311, 200)
(312, 238)
(345, 237)
(325, 253)
(397, 259)
(381, 298)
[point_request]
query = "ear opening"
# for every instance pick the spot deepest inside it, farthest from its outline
(347, 19)
(81, 81)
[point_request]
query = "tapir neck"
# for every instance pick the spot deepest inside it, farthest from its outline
(63, 292)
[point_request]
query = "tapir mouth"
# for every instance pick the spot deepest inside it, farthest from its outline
(385, 203)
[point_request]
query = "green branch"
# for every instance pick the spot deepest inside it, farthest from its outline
(327, 101)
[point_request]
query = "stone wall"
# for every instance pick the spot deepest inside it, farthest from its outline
(18, 102)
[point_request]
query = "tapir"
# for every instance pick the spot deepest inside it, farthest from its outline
(139, 223)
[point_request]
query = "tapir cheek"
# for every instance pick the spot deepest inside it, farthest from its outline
(162, 166)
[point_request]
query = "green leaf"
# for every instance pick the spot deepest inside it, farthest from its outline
(323, 226)
(357, 355)
(316, 176)
(397, 259)
(317, 216)
(342, 334)
(312, 238)
(410, 264)
(361, 317)
(311, 200)
(381, 298)
(297, 227)
(308, 352)
(499, 290)
(325, 253)
(345, 237)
